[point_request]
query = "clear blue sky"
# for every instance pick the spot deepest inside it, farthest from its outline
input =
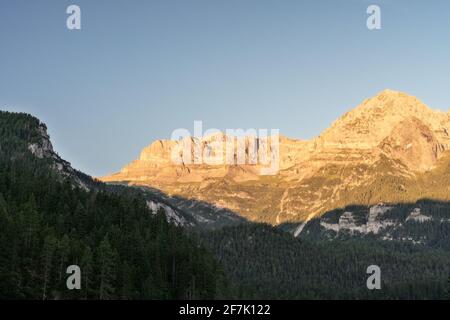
(140, 69)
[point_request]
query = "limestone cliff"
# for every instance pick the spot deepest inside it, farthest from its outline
(386, 149)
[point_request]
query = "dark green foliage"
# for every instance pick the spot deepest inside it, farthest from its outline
(448, 289)
(48, 223)
(267, 263)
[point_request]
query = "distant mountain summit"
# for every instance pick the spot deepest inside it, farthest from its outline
(391, 148)
(374, 120)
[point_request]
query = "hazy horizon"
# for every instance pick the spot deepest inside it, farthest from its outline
(135, 72)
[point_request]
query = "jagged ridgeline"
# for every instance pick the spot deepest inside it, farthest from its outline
(52, 216)
(391, 148)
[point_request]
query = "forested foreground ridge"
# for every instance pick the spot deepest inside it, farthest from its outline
(271, 264)
(51, 219)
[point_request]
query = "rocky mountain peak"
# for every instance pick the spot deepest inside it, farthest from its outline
(391, 101)
(365, 156)
(373, 120)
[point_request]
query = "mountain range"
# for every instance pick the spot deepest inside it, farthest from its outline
(372, 189)
(392, 148)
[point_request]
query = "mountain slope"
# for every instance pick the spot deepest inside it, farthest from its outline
(53, 216)
(388, 149)
(270, 264)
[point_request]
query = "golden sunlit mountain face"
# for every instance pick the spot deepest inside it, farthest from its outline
(388, 143)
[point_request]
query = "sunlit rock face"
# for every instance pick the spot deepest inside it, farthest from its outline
(414, 144)
(368, 124)
(391, 148)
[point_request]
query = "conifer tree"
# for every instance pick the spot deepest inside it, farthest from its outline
(48, 252)
(87, 269)
(107, 273)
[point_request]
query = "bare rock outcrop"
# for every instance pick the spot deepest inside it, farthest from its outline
(383, 150)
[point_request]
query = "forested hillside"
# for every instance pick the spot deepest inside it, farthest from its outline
(425, 222)
(268, 263)
(48, 222)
